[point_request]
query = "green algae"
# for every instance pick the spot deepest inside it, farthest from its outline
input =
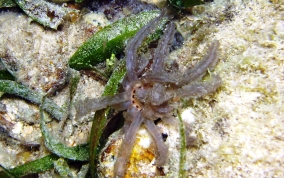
(62, 168)
(12, 87)
(79, 152)
(110, 40)
(7, 3)
(101, 116)
(39, 165)
(182, 157)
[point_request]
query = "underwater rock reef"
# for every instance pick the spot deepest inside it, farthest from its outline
(237, 128)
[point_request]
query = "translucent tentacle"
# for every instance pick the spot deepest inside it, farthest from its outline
(128, 117)
(208, 62)
(199, 89)
(162, 51)
(159, 94)
(85, 107)
(161, 78)
(135, 43)
(171, 120)
(142, 63)
(122, 106)
(161, 146)
(126, 146)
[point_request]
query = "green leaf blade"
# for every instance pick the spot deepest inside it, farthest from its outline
(182, 157)
(7, 3)
(37, 166)
(109, 40)
(12, 87)
(79, 153)
(101, 116)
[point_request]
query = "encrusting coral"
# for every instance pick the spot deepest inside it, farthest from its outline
(150, 90)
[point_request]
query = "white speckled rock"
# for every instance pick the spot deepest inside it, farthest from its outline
(142, 160)
(239, 129)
